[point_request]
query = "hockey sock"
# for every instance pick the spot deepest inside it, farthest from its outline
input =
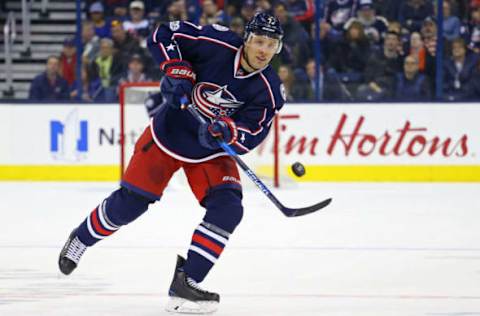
(224, 213)
(120, 208)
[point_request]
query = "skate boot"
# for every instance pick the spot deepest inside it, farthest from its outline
(187, 297)
(71, 253)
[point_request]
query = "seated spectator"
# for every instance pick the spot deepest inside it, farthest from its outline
(286, 76)
(124, 43)
(49, 85)
(68, 61)
(102, 27)
(105, 72)
(417, 49)
(414, 12)
(91, 42)
(374, 26)
(232, 8)
(136, 70)
(137, 24)
(381, 69)
(248, 10)
(429, 35)
(238, 26)
(295, 38)
(396, 27)
(412, 85)
(295, 83)
(347, 61)
(301, 90)
(212, 15)
(458, 71)
(474, 30)
(116, 9)
(336, 14)
(351, 54)
(451, 23)
(311, 80)
(176, 10)
(473, 89)
(429, 27)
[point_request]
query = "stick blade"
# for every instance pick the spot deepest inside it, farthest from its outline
(294, 212)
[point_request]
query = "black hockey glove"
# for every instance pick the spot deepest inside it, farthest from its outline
(178, 81)
(223, 128)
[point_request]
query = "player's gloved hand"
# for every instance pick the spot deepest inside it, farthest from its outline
(223, 128)
(178, 81)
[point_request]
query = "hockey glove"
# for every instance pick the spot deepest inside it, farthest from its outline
(222, 128)
(178, 81)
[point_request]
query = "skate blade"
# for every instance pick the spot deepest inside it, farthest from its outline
(183, 306)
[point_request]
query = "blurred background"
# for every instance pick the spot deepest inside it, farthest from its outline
(334, 50)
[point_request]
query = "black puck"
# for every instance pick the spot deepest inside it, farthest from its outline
(298, 169)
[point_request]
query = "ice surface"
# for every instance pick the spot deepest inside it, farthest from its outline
(378, 250)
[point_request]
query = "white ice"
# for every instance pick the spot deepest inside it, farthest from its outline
(378, 250)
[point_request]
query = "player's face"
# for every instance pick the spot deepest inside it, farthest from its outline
(259, 50)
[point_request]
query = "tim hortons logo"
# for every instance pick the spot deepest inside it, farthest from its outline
(408, 140)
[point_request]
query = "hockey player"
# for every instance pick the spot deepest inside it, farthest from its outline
(230, 81)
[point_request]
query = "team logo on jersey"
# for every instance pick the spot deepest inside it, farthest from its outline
(219, 27)
(175, 25)
(214, 100)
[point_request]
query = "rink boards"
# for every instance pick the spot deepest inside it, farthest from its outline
(336, 142)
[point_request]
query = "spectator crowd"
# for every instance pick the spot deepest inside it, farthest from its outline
(370, 50)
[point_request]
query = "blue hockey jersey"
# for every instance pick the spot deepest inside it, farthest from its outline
(222, 88)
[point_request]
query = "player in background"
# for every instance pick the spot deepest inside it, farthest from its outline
(232, 85)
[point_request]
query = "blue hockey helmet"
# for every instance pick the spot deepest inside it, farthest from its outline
(264, 24)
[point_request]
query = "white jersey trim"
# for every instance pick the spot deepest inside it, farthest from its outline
(259, 124)
(269, 90)
(162, 48)
(198, 27)
(154, 36)
(178, 157)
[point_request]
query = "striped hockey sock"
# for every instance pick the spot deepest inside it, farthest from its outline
(207, 244)
(96, 226)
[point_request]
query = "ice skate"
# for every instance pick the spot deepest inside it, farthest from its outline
(186, 297)
(71, 253)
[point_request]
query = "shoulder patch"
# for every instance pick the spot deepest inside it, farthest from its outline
(174, 26)
(283, 92)
(220, 28)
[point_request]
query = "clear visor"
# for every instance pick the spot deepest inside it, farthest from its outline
(264, 42)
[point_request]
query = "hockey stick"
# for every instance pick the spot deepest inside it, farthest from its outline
(289, 212)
